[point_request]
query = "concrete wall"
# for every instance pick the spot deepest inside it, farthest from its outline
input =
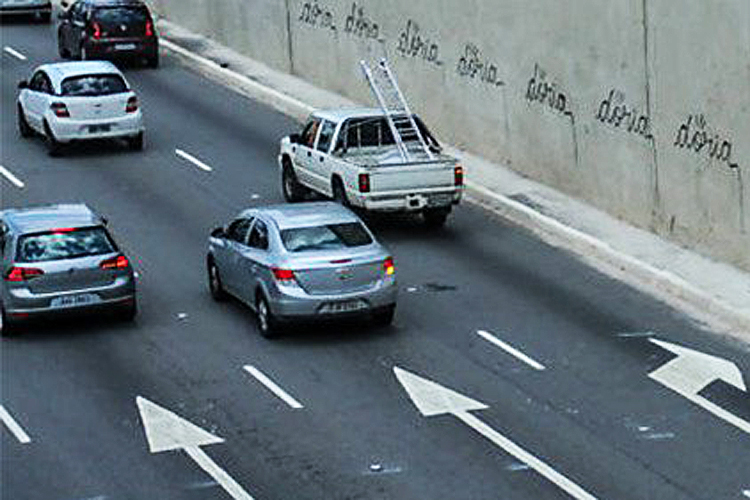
(640, 107)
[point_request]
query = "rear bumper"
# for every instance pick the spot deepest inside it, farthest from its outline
(408, 201)
(67, 129)
(118, 48)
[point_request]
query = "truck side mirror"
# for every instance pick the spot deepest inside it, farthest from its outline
(218, 232)
(65, 4)
(294, 138)
(23, 84)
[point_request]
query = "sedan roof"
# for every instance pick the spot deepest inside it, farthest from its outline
(43, 218)
(304, 214)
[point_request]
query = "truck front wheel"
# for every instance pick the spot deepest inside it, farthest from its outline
(293, 190)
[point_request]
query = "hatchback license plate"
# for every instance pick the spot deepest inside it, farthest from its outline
(341, 307)
(100, 128)
(124, 46)
(82, 299)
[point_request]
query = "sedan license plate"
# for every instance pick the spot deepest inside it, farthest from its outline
(82, 299)
(124, 46)
(342, 307)
(100, 128)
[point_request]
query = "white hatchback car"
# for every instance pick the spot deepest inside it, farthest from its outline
(72, 101)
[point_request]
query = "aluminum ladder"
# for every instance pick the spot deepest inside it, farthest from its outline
(409, 139)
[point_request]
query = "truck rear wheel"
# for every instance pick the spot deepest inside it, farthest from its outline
(435, 217)
(339, 194)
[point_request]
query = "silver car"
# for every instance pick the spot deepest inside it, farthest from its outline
(59, 259)
(302, 262)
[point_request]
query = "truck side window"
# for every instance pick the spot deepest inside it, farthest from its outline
(326, 135)
(310, 131)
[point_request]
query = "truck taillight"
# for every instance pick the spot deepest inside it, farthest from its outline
(17, 274)
(458, 175)
(60, 109)
(364, 183)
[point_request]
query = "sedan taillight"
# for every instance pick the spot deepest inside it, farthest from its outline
(119, 262)
(149, 28)
(96, 31)
(283, 275)
(60, 110)
(132, 105)
(17, 274)
(389, 267)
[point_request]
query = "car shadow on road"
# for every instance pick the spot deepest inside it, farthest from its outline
(65, 327)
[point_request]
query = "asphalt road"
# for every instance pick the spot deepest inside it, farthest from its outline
(592, 415)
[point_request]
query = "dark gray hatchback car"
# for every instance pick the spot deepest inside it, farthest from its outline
(60, 259)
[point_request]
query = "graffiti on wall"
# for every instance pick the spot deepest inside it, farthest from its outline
(360, 25)
(316, 15)
(472, 65)
(547, 93)
(412, 43)
(695, 135)
(614, 111)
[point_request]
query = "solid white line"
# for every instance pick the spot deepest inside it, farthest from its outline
(15, 53)
(271, 385)
(13, 426)
(192, 159)
(510, 350)
(225, 480)
(12, 178)
(542, 468)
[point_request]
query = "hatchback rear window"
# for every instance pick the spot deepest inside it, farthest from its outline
(64, 244)
(93, 85)
(116, 16)
(329, 237)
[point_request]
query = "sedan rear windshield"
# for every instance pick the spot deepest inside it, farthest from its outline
(116, 16)
(329, 237)
(64, 244)
(93, 85)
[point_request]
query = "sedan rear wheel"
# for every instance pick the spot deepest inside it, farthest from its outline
(53, 145)
(6, 328)
(136, 142)
(384, 316)
(266, 321)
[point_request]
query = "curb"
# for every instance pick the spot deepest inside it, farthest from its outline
(669, 287)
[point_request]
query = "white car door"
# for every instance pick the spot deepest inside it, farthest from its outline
(320, 167)
(35, 100)
(304, 151)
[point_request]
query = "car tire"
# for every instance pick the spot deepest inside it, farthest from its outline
(64, 53)
(435, 217)
(266, 322)
(23, 126)
(293, 190)
(135, 143)
(384, 315)
(153, 61)
(54, 147)
(7, 329)
(214, 283)
(129, 311)
(45, 17)
(83, 53)
(339, 193)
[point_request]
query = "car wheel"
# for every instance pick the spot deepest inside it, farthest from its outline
(267, 324)
(23, 126)
(293, 190)
(129, 311)
(54, 147)
(435, 217)
(339, 194)
(152, 61)
(136, 142)
(6, 327)
(64, 53)
(84, 54)
(214, 283)
(384, 315)
(45, 17)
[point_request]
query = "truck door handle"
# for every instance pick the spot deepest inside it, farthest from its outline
(309, 153)
(322, 158)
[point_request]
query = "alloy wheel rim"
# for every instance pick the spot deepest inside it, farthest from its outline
(262, 316)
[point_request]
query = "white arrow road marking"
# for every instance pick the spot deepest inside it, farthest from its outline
(273, 387)
(166, 431)
(192, 159)
(431, 399)
(13, 426)
(746, 493)
(510, 350)
(691, 371)
(12, 178)
(15, 53)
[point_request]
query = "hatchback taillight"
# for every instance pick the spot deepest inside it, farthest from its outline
(389, 267)
(364, 183)
(96, 31)
(132, 105)
(149, 28)
(119, 262)
(458, 175)
(17, 274)
(283, 274)
(60, 110)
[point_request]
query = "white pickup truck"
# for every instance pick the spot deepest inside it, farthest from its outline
(350, 155)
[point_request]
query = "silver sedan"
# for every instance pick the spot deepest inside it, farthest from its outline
(302, 262)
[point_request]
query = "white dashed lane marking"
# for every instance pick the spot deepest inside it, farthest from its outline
(273, 387)
(510, 350)
(11, 177)
(192, 159)
(14, 53)
(13, 426)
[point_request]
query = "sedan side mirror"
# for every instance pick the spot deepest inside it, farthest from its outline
(65, 4)
(294, 138)
(218, 233)
(63, 14)
(23, 84)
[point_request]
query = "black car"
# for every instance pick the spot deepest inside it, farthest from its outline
(108, 29)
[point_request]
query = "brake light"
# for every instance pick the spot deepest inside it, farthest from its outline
(458, 175)
(18, 274)
(389, 267)
(132, 105)
(119, 262)
(97, 34)
(364, 183)
(149, 28)
(283, 274)
(63, 230)
(60, 109)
